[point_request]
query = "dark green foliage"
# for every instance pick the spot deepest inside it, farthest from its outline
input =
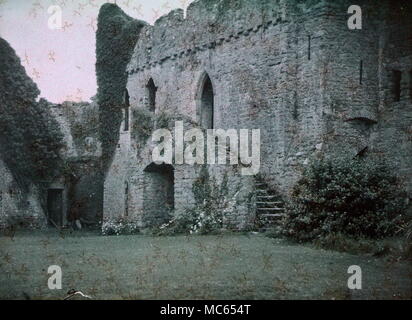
(116, 37)
(143, 125)
(213, 204)
(30, 138)
(354, 197)
(201, 187)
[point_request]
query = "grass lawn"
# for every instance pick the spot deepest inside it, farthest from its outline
(230, 266)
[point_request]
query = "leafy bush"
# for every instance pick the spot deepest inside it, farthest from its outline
(355, 197)
(142, 125)
(213, 205)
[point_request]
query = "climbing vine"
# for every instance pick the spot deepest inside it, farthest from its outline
(116, 37)
(30, 138)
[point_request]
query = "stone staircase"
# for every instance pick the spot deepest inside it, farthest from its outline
(269, 206)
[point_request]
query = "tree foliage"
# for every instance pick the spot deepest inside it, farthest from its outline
(30, 138)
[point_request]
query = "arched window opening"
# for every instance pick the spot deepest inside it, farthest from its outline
(396, 84)
(207, 104)
(126, 198)
(126, 110)
(360, 71)
(151, 95)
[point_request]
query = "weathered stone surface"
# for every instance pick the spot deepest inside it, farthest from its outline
(19, 208)
(293, 69)
(45, 146)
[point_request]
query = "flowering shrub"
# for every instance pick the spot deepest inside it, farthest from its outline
(118, 226)
(355, 197)
(213, 205)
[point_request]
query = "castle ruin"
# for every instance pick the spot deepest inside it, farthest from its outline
(292, 69)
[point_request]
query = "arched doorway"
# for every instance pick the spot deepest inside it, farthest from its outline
(151, 95)
(206, 103)
(158, 197)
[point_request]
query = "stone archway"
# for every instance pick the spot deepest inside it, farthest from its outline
(158, 193)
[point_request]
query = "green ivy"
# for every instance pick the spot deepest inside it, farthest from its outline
(116, 38)
(30, 137)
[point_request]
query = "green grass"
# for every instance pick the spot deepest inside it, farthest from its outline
(230, 266)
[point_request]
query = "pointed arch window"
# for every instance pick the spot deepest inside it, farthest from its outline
(126, 110)
(207, 103)
(151, 95)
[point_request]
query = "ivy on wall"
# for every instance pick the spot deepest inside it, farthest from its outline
(116, 37)
(30, 138)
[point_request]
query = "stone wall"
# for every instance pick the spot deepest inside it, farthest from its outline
(18, 208)
(292, 69)
(80, 124)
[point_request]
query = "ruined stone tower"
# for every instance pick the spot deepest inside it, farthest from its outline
(292, 69)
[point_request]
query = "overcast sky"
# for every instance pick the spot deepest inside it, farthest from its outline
(62, 62)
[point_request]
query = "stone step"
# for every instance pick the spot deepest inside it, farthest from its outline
(271, 215)
(269, 206)
(270, 203)
(261, 197)
(271, 209)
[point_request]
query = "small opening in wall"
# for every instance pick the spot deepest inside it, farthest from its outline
(396, 83)
(410, 84)
(309, 44)
(126, 199)
(126, 110)
(151, 95)
(360, 71)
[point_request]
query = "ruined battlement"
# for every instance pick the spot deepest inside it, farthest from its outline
(210, 23)
(290, 68)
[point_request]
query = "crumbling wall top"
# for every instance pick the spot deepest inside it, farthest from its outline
(209, 23)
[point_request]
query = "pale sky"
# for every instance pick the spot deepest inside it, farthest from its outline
(62, 62)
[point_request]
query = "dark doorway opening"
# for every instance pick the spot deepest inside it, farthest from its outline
(158, 193)
(396, 84)
(55, 207)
